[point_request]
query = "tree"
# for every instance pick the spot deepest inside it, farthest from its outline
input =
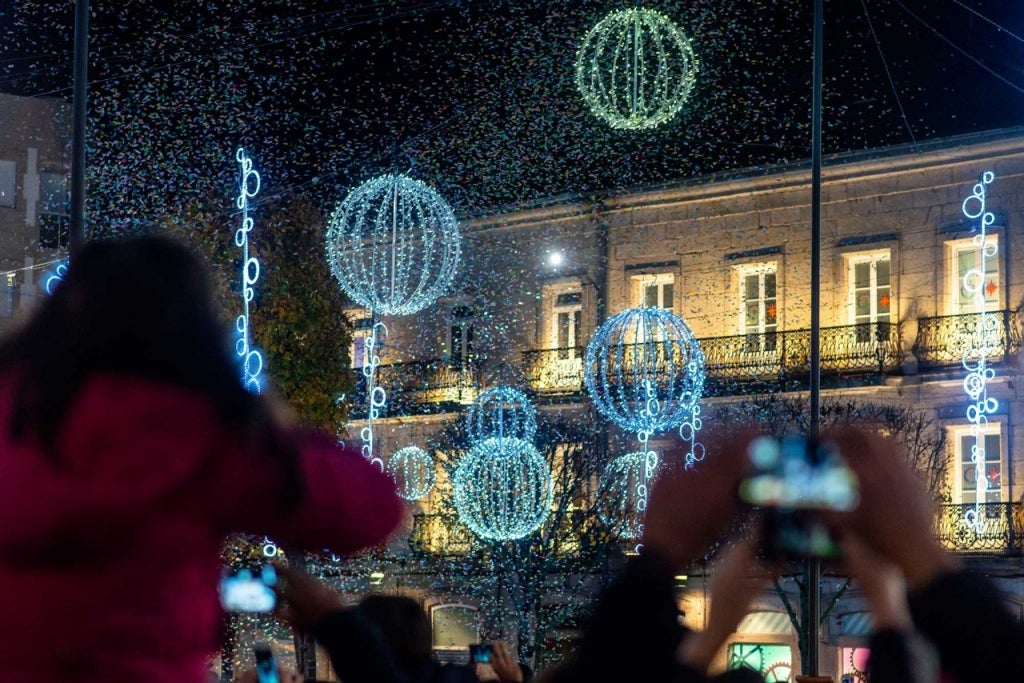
(923, 442)
(510, 580)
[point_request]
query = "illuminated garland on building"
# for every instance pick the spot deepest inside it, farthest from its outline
(644, 371)
(412, 470)
(975, 359)
(252, 359)
(502, 489)
(501, 412)
(635, 69)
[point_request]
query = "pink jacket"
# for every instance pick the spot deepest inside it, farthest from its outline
(109, 563)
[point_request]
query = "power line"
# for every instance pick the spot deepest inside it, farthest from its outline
(888, 73)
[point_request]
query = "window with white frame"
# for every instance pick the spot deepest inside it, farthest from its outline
(654, 290)
(566, 317)
(970, 270)
(362, 324)
(990, 454)
(758, 306)
(460, 335)
(870, 294)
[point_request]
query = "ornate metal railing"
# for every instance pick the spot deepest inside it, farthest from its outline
(943, 340)
(554, 371)
(421, 386)
(1002, 528)
(441, 535)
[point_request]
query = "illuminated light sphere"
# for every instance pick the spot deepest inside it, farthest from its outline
(636, 69)
(54, 277)
(502, 489)
(393, 244)
(501, 412)
(617, 495)
(644, 370)
(412, 470)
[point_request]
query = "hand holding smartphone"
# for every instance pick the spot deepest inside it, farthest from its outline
(481, 653)
(266, 665)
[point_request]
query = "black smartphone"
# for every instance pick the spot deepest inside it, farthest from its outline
(266, 665)
(793, 480)
(480, 654)
(249, 590)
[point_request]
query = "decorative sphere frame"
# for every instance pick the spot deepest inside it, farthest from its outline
(393, 244)
(635, 69)
(502, 489)
(644, 370)
(501, 412)
(412, 470)
(617, 495)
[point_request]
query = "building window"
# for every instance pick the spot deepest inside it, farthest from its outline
(454, 627)
(8, 184)
(968, 263)
(362, 325)
(870, 295)
(771, 660)
(965, 486)
(53, 211)
(758, 306)
(460, 335)
(567, 313)
(654, 290)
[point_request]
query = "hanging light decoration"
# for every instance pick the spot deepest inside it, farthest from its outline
(635, 69)
(501, 412)
(502, 489)
(393, 244)
(251, 358)
(412, 470)
(617, 493)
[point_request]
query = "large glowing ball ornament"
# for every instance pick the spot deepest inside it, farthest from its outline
(617, 495)
(412, 470)
(644, 370)
(501, 412)
(635, 69)
(393, 244)
(502, 489)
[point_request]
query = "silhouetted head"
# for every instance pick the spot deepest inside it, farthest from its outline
(403, 624)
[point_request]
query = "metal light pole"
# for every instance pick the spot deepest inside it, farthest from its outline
(76, 227)
(812, 579)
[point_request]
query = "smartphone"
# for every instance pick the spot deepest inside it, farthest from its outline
(480, 654)
(266, 665)
(793, 480)
(249, 591)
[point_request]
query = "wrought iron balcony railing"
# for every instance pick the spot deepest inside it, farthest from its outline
(943, 340)
(1001, 528)
(770, 357)
(440, 535)
(420, 386)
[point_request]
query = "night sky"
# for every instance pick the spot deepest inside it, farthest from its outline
(478, 98)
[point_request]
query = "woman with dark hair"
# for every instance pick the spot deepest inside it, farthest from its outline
(128, 451)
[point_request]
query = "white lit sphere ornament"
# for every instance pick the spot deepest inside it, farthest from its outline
(502, 489)
(644, 370)
(617, 493)
(635, 69)
(393, 244)
(501, 412)
(412, 470)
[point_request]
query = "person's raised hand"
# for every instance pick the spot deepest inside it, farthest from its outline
(882, 583)
(283, 675)
(304, 601)
(688, 510)
(504, 664)
(895, 517)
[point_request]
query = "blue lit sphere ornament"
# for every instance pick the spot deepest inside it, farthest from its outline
(644, 370)
(636, 69)
(412, 470)
(501, 412)
(502, 489)
(617, 497)
(393, 244)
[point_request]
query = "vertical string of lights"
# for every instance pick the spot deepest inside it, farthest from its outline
(252, 359)
(975, 359)
(376, 396)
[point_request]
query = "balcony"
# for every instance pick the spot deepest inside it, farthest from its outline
(420, 387)
(440, 535)
(943, 340)
(1000, 530)
(770, 360)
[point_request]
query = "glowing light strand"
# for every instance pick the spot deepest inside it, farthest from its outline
(501, 412)
(412, 470)
(975, 358)
(617, 491)
(54, 277)
(376, 397)
(252, 359)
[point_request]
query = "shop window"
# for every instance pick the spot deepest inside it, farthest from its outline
(454, 627)
(773, 661)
